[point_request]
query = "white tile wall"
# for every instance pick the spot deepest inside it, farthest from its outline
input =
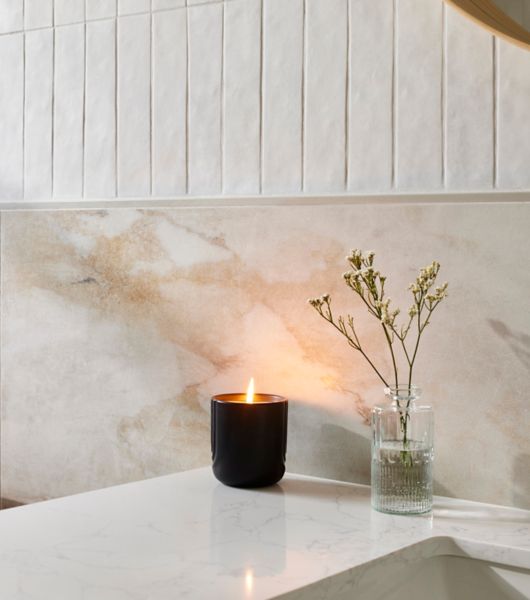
(68, 111)
(38, 111)
(134, 104)
(242, 97)
(205, 40)
(250, 96)
(100, 110)
(38, 13)
(513, 117)
(100, 9)
(164, 4)
(11, 15)
(325, 102)
(129, 7)
(11, 115)
(469, 104)
(170, 72)
(69, 11)
(282, 111)
(418, 95)
(371, 36)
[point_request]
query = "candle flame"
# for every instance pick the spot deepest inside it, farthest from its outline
(250, 391)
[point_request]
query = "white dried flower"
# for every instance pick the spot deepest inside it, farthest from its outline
(368, 283)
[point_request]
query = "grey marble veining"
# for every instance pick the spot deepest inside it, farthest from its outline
(118, 325)
(188, 536)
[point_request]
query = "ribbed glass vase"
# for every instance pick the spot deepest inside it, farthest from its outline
(402, 453)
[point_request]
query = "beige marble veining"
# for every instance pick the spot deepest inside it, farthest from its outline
(118, 325)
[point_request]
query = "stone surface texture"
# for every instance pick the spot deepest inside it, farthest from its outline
(118, 325)
(187, 535)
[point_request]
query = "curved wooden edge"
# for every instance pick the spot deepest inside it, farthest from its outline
(488, 15)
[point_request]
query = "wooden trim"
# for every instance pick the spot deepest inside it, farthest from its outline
(7, 503)
(487, 14)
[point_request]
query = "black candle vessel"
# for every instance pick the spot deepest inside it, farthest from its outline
(249, 439)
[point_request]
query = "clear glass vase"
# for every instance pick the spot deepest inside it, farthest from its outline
(402, 453)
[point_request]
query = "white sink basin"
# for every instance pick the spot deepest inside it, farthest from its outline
(443, 578)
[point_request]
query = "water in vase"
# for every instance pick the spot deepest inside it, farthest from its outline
(402, 477)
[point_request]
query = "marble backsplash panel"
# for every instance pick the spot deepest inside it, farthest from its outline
(118, 325)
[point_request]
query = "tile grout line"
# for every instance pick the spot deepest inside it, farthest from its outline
(23, 187)
(443, 99)
(261, 103)
(393, 99)
(188, 79)
(83, 133)
(495, 115)
(53, 104)
(1, 269)
(222, 101)
(347, 99)
(116, 166)
(151, 93)
(1, 359)
(124, 16)
(303, 94)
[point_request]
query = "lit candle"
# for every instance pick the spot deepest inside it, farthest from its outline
(249, 438)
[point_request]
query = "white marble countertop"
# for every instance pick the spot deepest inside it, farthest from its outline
(188, 536)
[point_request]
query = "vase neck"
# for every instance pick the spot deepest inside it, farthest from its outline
(403, 393)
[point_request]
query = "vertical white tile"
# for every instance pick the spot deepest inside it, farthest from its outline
(68, 111)
(134, 104)
(513, 135)
(163, 4)
(38, 115)
(325, 96)
(169, 103)
(418, 97)
(242, 87)
(282, 96)
(469, 104)
(11, 15)
(205, 68)
(100, 9)
(370, 95)
(130, 7)
(38, 13)
(69, 11)
(12, 116)
(100, 111)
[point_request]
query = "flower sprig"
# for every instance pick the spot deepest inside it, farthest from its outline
(369, 284)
